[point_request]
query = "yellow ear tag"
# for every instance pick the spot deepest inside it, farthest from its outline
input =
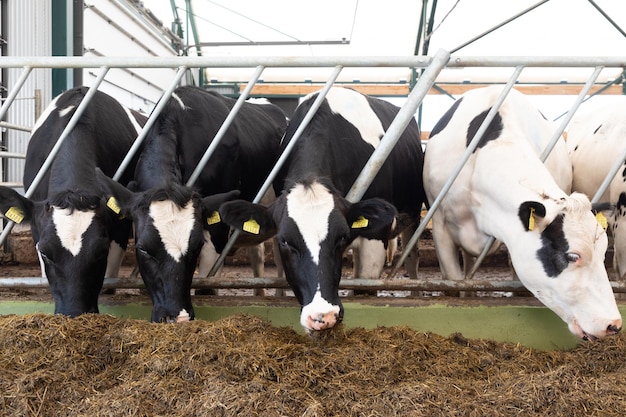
(251, 226)
(214, 218)
(14, 214)
(112, 204)
(531, 219)
(360, 223)
(601, 218)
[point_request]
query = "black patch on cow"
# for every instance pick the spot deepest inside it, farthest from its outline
(620, 206)
(598, 128)
(492, 132)
(443, 122)
(553, 252)
(624, 172)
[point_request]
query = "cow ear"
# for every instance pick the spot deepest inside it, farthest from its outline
(530, 213)
(118, 198)
(373, 219)
(254, 220)
(14, 206)
(211, 204)
(603, 212)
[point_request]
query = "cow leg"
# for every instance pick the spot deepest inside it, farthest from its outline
(368, 257)
(114, 260)
(392, 248)
(280, 271)
(446, 249)
(206, 260)
(256, 255)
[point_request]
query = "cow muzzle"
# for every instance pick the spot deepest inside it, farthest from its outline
(321, 321)
(612, 328)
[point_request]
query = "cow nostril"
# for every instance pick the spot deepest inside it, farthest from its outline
(613, 329)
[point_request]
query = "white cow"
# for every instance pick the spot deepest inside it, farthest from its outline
(596, 137)
(556, 245)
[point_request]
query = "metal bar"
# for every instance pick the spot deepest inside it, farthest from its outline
(281, 161)
(457, 169)
(225, 126)
(608, 18)
(345, 284)
(579, 100)
(14, 92)
(12, 155)
(488, 31)
(50, 158)
(15, 127)
(308, 61)
(400, 122)
(144, 131)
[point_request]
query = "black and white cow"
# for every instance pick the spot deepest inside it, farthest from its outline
(70, 222)
(313, 222)
(556, 245)
(173, 222)
(595, 138)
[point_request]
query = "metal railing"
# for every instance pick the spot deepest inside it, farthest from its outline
(432, 67)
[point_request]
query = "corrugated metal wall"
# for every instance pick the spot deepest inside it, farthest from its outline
(111, 28)
(29, 37)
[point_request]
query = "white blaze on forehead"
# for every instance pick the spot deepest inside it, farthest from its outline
(70, 226)
(309, 207)
(355, 108)
(174, 225)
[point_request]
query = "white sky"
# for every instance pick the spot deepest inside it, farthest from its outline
(558, 27)
(387, 28)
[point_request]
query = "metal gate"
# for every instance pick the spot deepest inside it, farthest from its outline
(429, 69)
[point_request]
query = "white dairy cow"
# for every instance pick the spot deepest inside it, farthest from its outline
(556, 245)
(595, 138)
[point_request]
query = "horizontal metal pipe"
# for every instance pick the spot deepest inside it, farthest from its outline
(306, 61)
(276, 282)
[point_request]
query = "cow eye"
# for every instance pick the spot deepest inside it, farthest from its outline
(572, 257)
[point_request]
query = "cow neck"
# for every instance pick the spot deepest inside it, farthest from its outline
(311, 158)
(73, 168)
(158, 163)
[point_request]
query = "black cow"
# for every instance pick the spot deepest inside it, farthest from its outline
(312, 220)
(70, 222)
(172, 221)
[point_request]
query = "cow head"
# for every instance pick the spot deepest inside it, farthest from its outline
(71, 231)
(567, 271)
(168, 224)
(313, 225)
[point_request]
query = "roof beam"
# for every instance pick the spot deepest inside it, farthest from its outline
(390, 90)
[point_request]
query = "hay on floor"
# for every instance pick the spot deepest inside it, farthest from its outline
(98, 365)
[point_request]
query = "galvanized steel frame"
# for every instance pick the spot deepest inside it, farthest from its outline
(431, 65)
